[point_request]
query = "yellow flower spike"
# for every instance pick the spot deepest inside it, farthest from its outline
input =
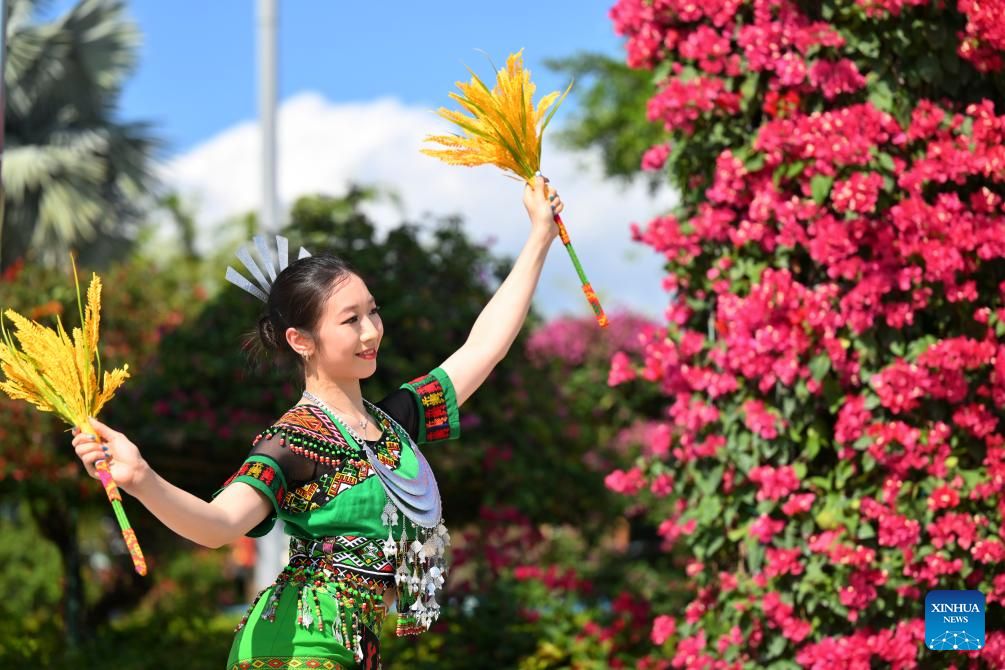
(54, 372)
(503, 130)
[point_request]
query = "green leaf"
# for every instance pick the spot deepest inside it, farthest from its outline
(748, 89)
(920, 346)
(967, 127)
(812, 446)
(881, 96)
(737, 534)
(755, 555)
(710, 484)
(886, 161)
(833, 394)
(869, 47)
(709, 509)
(971, 477)
(755, 163)
(802, 391)
(820, 482)
(820, 365)
(776, 646)
(776, 176)
(794, 169)
(662, 70)
(843, 473)
(820, 186)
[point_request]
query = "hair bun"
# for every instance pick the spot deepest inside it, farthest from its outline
(267, 333)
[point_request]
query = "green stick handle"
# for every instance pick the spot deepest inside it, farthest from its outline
(591, 295)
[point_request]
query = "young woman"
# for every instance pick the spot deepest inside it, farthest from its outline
(345, 475)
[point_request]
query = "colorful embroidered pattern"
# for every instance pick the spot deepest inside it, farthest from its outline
(351, 552)
(438, 415)
(259, 470)
(310, 421)
(325, 568)
(304, 435)
(285, 662)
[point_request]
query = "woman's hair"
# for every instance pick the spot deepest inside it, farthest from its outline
(296, 300)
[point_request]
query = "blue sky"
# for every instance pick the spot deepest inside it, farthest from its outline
(197, 69)
(357, 83)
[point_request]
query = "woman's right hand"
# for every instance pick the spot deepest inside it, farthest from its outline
(125, 463)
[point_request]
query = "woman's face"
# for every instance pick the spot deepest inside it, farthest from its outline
(350, 325)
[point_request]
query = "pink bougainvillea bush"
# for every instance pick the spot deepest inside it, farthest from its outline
(832, 445)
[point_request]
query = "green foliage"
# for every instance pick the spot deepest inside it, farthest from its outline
(612, 112)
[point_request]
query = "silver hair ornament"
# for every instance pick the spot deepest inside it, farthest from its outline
(272, 267)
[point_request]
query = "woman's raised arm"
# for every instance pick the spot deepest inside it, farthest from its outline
(211, 524)
(497, 326)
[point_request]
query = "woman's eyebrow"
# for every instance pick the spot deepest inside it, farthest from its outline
(352, 307)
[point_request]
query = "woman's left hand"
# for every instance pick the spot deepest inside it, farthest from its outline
(542, 203)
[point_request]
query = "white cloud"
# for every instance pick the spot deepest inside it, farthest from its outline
(322, 145)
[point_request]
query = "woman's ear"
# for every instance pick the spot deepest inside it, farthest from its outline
(299, 341)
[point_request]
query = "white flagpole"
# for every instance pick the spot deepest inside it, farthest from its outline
(273, 548)
(3, 109)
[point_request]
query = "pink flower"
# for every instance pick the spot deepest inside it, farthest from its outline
(896, 530)
(984, 35)
(798, 503)
(679, 104)
(621, 369)
(900, 385)
(943, 497)
(988, 551)
(858, 193)
(783, 562)
(662, 485)
(952, 527)
(774, 483)
(977, 419)
(626, 483)
(861, 590)
(851, 421)
(781, 616)
(655, 156)
(791, 69)
(664, 627)
(708, 47)
(836, 78)
(764, 528)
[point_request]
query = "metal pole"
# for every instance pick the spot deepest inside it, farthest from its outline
(267, 17)
(272, 548)
(3, 116)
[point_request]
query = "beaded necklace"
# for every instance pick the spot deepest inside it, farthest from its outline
(329, 451)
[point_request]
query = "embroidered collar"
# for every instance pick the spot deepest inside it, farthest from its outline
(308, 431)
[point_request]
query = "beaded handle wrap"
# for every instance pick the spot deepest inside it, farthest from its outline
(591, 295)
(114, 497)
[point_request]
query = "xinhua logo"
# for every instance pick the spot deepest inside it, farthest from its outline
(954, 620)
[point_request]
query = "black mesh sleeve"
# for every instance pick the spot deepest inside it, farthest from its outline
(400, 405)
(296, 469)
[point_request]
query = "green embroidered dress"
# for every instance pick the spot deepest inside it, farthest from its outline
(326, 607)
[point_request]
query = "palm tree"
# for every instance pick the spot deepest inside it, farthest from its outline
(73, 175)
